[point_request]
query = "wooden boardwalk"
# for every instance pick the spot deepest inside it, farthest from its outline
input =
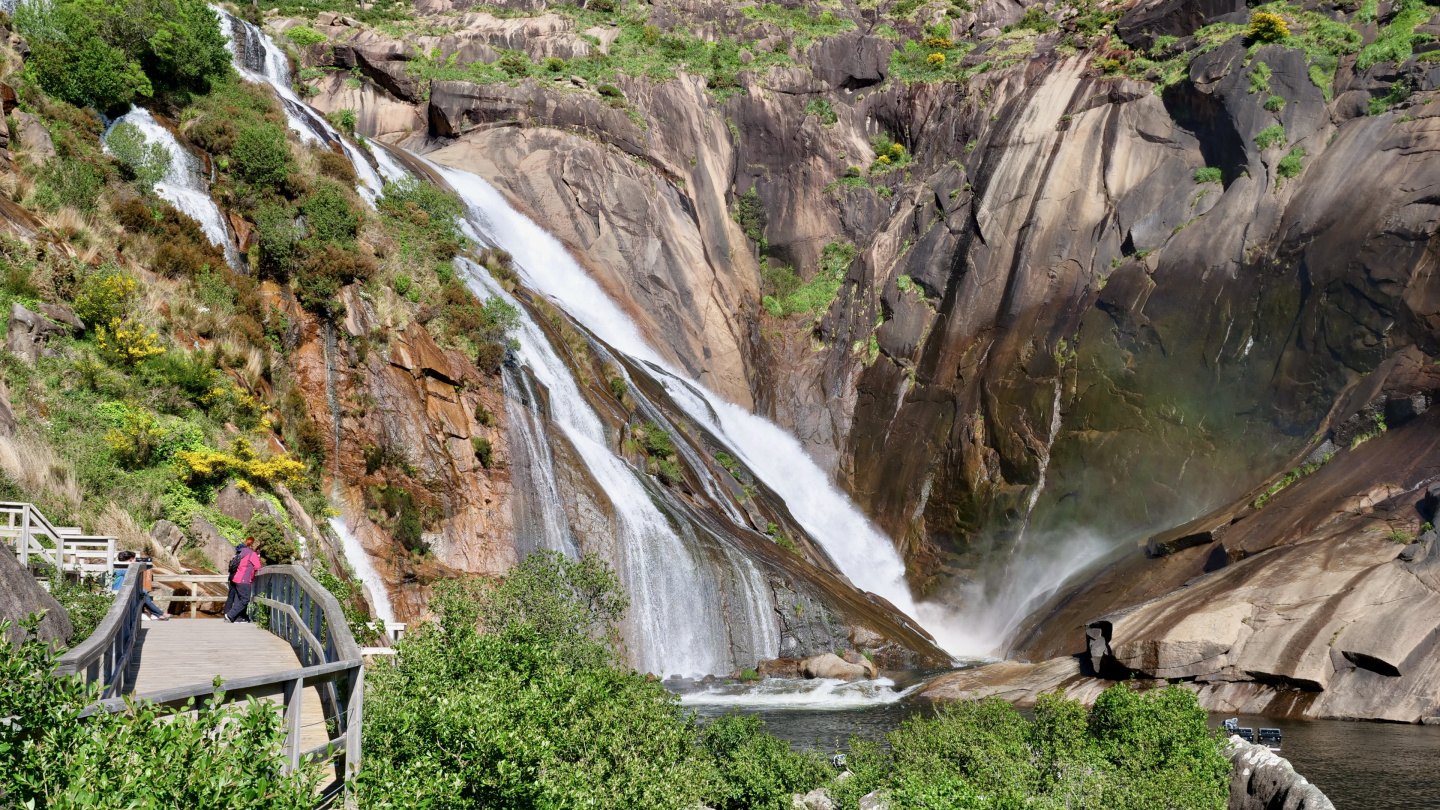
(183, 652)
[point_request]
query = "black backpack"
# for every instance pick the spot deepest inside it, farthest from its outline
(235, 564)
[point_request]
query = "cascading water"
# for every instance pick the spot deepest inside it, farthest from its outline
(676, 600)
(540, 521)
(259, 59)
(355, 554)
(184, 184)
(864, 555)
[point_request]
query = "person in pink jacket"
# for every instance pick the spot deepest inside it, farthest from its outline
(244, 582)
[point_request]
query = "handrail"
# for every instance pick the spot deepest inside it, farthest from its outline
(105, 655)
(304, 613)
(24, 522)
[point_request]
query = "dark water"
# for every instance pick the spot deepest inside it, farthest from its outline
(1360, 766)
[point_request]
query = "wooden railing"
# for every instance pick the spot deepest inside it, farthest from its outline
(192, 583)
(104, 657)
(303, 613)
(62, 548)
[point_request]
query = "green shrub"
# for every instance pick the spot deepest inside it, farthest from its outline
(441, 209)
(343, 120)
(86, 601)
(820, 108)
(757, 771)
(515, 63)
(304, 35)
(1290, 165)
(750, 214)
(108, 53)
(535, 710)
(656, 440)
(330, 218)
(1208, 174)
(145, 163)
(1275, 103)
(261, 155)
(554, 65)
(277, 235)
(1271, 136)
(1035, 19)
(318, 279)
(483, 452)
(51, 757)
(610, 91)
(72, 182)
(271, 542)
(105, 295)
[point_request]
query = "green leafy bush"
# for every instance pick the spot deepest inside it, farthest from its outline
(1275, 103)
(86, 601)
(343, 120)
(1271, 136)
(271, 541)
(277, 236)
(483, 452)
(329, 216)
(1035, 19)
(1290, 165)
(1260, 78)
(215, 756)
(107, 53)
(820, 108)
(69, 181)
(261, 155)
(304, 35)
(1208, 174)
(757, 771)
(145, 163)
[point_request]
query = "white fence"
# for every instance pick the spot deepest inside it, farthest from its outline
(63, 548)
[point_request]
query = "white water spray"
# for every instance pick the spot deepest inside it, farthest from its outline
(184, 183)
(359, 559)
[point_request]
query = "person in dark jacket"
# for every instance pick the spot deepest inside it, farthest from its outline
(148, 605)
(243, 583)
(234, 566)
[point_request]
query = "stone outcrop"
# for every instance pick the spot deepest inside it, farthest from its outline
(27, 333)
(21, 595)
(830, 665)
(1262, 779)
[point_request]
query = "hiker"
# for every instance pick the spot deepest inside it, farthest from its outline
(232, 593)
(151, 610)
(243, 584)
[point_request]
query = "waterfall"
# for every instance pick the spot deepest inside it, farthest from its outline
(184, 185)
(355, 554)
(259, 59)
(676, 600)
(861, 551)
(540, 521)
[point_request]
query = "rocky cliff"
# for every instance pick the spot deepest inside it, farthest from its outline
(1102, 271)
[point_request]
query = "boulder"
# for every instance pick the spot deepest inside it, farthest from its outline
(212, 543)
(871, 671)
(7, 413)
(830, 665)
(779, 668)
(32, 136)
(168, 536)
(62, 315)
(29, 332)
(874, 800)
(817, 799)
(1261, 779)
(242, 506)
(21, 595)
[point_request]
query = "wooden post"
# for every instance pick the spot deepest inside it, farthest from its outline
(294, 697)
(354, 709)
(25, 538)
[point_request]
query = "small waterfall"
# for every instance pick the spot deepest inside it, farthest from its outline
(540, 520)
(259, 59)
(355, 554)
(861, 551)
(184, 185)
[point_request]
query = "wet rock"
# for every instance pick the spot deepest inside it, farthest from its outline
(831, 665)
(21, 595)
(28, 333)
(779, 668)
(852, 657)
(1199, 532)
(1261, 779)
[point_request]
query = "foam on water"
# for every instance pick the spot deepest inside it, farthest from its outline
(787, 693)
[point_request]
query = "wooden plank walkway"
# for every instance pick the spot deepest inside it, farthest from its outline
(184, 652)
